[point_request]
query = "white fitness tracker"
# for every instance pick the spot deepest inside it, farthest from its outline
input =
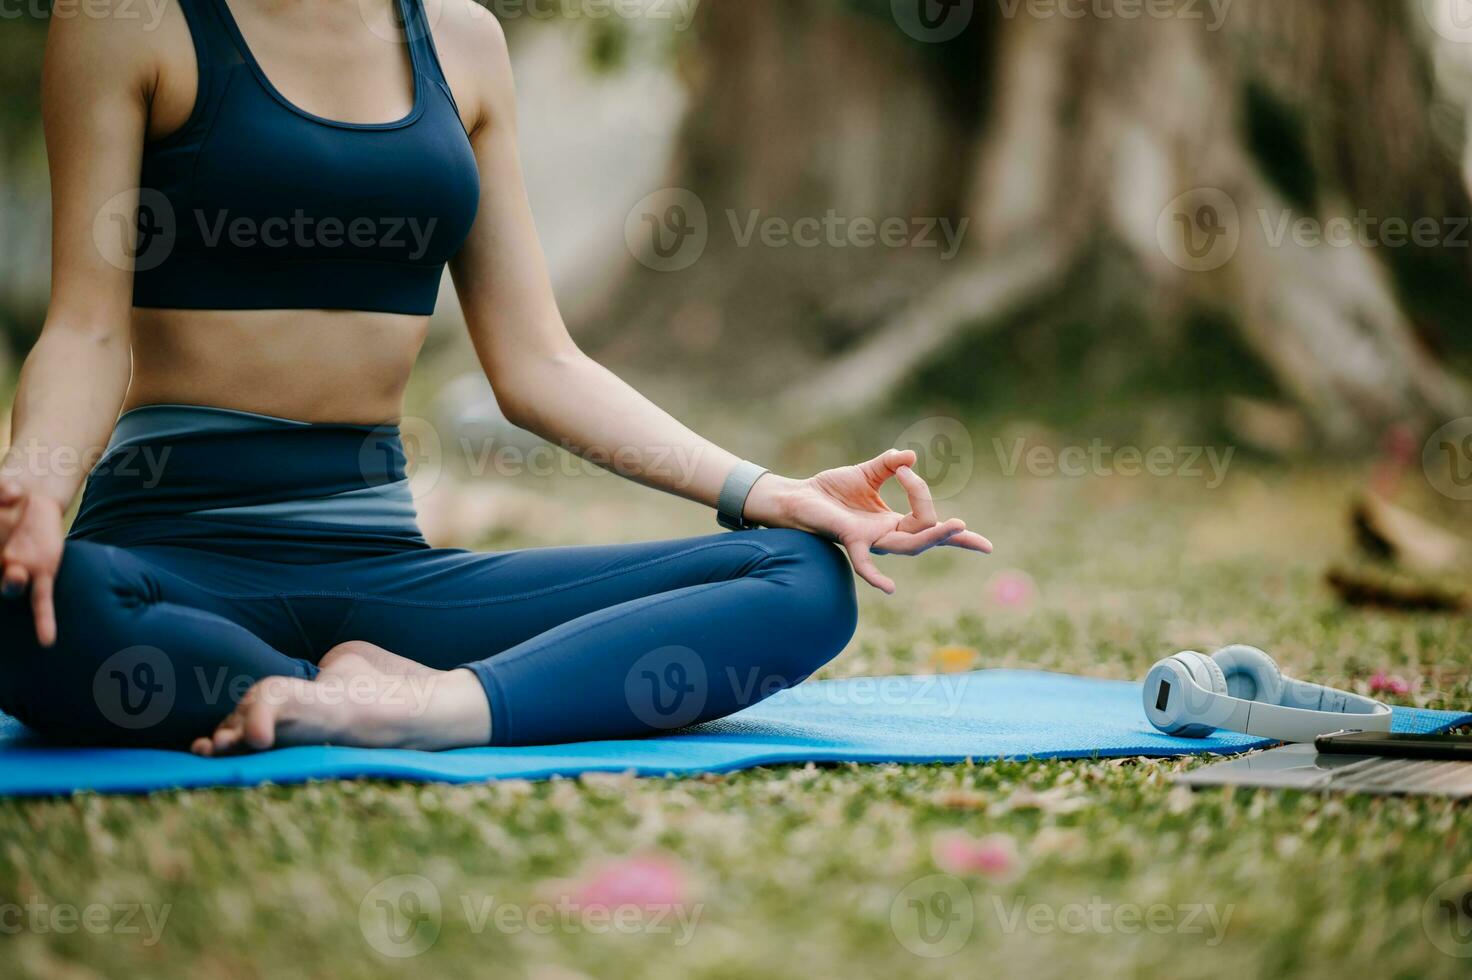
(731, 504)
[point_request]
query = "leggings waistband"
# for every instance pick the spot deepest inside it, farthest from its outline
(192, 470)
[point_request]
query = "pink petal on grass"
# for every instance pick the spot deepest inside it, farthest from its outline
(648, 880)
(1383, 683)
(993, 856)
(1012, 588)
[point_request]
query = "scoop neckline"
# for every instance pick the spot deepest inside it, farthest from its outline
(415, 111)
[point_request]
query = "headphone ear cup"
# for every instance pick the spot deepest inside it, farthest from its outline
(1171, 694)
(1250, 673)
(1204, 670)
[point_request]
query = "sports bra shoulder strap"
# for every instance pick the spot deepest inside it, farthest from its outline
(214, 42)
(419, 34)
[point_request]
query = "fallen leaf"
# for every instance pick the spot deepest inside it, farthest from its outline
(1391, 533)
(953, 659)
(1358, 589)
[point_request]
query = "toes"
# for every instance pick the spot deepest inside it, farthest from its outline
(260, 726)
(227, 736)
(202, 747)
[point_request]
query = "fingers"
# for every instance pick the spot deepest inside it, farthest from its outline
(921, 504)
(10, 493)
(864, 567)
(14, 579)
(879, 469)
(899, 542)
(43, 608)
(970, 541)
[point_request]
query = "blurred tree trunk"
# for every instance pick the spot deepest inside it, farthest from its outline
(25, 224)
(1082, 150)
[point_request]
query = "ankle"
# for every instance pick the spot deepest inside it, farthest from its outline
(452, 712)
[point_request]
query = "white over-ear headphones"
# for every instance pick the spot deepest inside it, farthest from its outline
(1240, 689)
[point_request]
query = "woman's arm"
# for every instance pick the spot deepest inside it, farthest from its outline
(95, 94)
(544, 383)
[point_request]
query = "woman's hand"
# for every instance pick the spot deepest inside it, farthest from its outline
(30, 553)
(844, 505)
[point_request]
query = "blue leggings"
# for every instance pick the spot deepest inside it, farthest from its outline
(168, 610)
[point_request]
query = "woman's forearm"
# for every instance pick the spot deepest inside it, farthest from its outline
(576, 403)
(71, 388)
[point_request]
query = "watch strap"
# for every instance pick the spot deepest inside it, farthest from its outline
(731, 504)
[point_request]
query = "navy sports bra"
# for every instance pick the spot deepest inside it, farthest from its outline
(256, 204)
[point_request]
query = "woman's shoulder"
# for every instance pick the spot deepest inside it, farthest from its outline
(115, 41)
(473, 54)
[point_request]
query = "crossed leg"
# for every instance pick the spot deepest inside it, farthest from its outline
(537, 646)
(584, 643)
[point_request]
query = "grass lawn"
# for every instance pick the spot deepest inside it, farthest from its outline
(805, 872)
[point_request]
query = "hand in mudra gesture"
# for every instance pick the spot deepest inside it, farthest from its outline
(31, 537)
(844, 505)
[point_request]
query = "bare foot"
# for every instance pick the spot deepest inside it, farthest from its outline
(378, 658)
(364, 696)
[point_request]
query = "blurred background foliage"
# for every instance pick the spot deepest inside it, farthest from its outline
(1062, 141)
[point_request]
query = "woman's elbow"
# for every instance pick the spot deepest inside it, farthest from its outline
(524, 389)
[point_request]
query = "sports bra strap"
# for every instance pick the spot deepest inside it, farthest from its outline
(214, 44)
(419, 33)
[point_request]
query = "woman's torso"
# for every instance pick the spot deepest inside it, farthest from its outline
(340, 60)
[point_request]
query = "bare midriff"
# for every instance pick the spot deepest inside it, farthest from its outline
(308, 365)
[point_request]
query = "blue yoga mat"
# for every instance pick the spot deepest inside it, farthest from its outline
(988, 714)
